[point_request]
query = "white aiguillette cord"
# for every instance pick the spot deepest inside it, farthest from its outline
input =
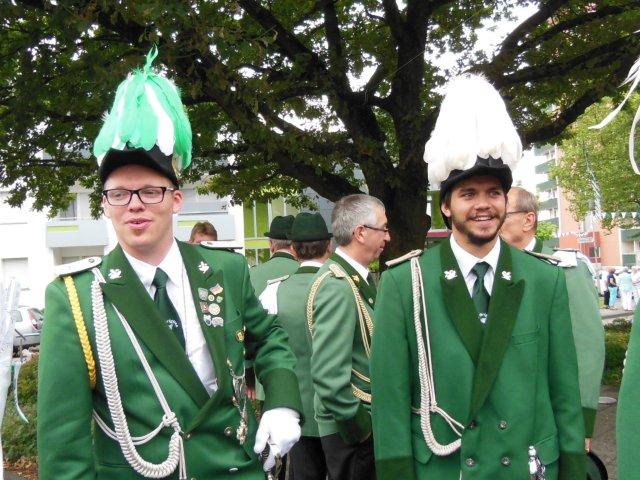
(176, 457)
(428, 402)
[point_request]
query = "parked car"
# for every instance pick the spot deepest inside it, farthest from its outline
(27, 324)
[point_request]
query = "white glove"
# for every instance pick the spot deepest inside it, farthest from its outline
(281, 428)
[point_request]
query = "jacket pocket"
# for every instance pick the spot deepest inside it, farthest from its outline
(526, 337)
(548, 450)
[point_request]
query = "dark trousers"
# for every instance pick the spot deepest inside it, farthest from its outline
(348, 462)
(606, 298)
(307, 461)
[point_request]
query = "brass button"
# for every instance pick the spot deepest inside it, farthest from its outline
(506, 461)
(228, 431)
(187, 436)
(240, 336)
(503, 425)
(470, 462)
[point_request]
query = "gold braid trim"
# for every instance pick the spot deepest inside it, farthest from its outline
(82, 330)
(364, 320)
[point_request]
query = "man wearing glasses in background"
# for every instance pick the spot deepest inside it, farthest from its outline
(340, 310)
(141, 371)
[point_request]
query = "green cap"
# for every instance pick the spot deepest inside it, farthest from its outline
(309, 227)
(280, 227)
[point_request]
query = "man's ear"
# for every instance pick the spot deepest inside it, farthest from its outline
(445, 210)
(105, 207)
(529, 221)
(178, 198)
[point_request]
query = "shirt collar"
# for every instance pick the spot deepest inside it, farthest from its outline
(310, 263)
(361, 269)
(530, 246)
(171, 264)
(466, 261)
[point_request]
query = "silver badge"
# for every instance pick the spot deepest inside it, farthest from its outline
(211, 298)
(217, 322)
(506, 275)
(203, 267)
(216, 289)
(171, 323)
(115, 273)
(214, 309)
(450, 274)
(202, 293)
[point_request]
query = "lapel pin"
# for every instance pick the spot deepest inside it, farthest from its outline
(356, 278)
(450, 274)
(216, 289)
(202, 293)
(506, 275)
(217, 322)
(371, 301)
(240, 335)
(204, 307)
(214, 309)
(207, 319)
(219, 299)
(203, 267)
(115, 273)
(171, 323)
(211, 298)
(482, 317)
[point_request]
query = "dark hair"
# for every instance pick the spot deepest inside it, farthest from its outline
(310, 250)
(203, 228)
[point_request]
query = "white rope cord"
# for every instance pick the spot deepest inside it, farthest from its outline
(428, 402)
(121, 431)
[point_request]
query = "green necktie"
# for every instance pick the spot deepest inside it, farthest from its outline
(479, 294)
(165, 307)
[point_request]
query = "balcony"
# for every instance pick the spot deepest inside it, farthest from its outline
(628, 259)
(548, 204)
(544, 167)
(548, 185)
(77, 233)
(629, 235)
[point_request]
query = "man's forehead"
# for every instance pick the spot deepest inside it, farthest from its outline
(478, 183)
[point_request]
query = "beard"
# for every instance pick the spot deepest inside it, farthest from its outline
(475, 238)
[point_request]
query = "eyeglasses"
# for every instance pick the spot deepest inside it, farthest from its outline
(385, 229)
(516, 211)
(119, 197)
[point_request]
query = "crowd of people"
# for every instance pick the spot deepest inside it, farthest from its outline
(467, 360)
(624, 284)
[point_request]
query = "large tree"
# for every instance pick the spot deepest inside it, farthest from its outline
(594, 167)
(284, 94)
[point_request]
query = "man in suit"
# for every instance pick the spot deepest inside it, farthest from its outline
(142, 355)
(341, 301)
(287, 297)
(282, 261)
(471, 372)
(519, 230)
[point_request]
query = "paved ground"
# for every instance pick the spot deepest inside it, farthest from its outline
(604, 441)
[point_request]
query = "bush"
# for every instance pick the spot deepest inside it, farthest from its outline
(616, 337)
(19, 438)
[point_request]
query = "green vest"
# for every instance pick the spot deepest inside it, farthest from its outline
(70, 446)
(281, 263)
(292, 304)
(339, 360)
(512, 383)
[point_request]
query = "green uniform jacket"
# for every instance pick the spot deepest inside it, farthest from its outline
(588, 333)
(511, 383)
(628, 414)
(292, 305)
(68, 449)
(338, 351)
(280, 264)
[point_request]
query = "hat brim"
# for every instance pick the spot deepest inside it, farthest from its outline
(276, 236)
(153, 159)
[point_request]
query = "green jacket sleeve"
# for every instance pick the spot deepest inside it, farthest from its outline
(334, 325)
(391, 390)
(563, 387)
(65, 449)
(266, 342)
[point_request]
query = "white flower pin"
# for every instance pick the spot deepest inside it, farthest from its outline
(203, 267)
(506, 275)
(115, 273)
(450, 274)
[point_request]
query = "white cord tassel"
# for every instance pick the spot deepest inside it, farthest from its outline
(428, 401)
(121, 431)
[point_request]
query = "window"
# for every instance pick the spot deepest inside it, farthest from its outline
(71, 212)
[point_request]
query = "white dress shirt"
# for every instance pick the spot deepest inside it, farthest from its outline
(179, 291)
(466, 262)
(361, 269)
(531, 245)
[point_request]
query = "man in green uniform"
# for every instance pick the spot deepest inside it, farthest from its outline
(341, 300)
(287, 297)
(142, 355)
(282, 261)
(519, 230)
(472, 374)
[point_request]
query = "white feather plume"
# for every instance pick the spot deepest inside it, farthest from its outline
(473, 122)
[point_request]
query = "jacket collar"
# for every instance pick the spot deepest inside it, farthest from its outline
(367, 291)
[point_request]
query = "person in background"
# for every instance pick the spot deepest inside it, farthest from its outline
(625, 284)
(203, 231)
(612, 288)
(635, 280)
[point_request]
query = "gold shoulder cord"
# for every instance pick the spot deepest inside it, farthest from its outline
(82, 329)
(366, 327)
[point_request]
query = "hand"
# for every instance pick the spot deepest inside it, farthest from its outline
(281, 428)
(251, 393)
(587, 444)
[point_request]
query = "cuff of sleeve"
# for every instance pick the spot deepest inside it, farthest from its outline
(281, 390)
(572, 466)
(395, 468)
(589, 415)
(357, 428)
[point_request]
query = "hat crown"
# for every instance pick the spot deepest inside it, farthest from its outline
(280, 227)
(309, 227)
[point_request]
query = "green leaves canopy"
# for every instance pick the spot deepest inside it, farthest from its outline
(284, 94)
